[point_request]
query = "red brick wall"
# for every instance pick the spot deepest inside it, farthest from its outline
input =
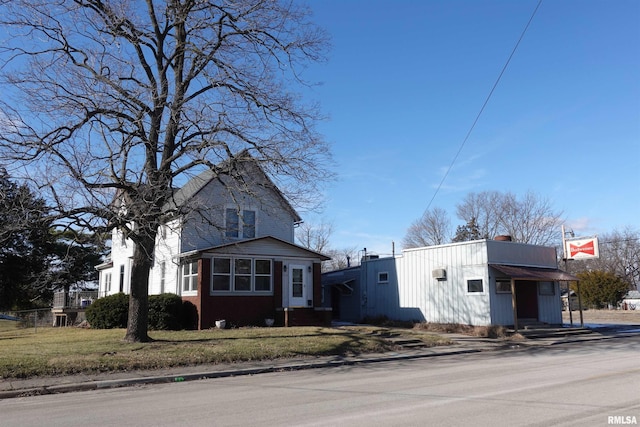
(248, 310)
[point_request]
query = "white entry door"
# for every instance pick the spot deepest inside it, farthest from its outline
(297, 286)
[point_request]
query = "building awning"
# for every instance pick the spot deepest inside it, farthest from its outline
(534, 273)
(346, 287)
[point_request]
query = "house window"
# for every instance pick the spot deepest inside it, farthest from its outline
(107, 282)
(233, 223)
(221, 274)
(190, 276)
(241, 275)
(248, 224)
(240, 223)
(474, 286)
(263, 275)
(163, 270)
(383, 277)
(122, 278)
(503, 286)
(546, 288)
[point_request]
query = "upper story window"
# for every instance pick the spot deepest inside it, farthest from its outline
(240, 224)
(383, 277)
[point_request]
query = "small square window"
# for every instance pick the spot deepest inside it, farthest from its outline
(546, 288)
(383, 277)
(503, 286)
(474, 286)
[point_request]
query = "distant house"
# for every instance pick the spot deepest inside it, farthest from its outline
(484, 282)
(631, 301)
(575, 304)
(230, 252)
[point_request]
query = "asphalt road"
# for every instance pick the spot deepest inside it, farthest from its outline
(573, 384)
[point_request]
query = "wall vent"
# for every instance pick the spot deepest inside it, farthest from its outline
(439, 274)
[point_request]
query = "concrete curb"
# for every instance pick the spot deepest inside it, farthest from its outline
(164, 379)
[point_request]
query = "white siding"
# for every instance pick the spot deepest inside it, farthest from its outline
(550, 306)
(413, 294)
(120, 256)
(166, 251)
(271, 218)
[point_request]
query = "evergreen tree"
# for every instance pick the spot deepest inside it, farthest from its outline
(25, 247)
(468, 232)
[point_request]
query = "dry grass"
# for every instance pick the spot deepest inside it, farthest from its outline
(63, 351)
(475, 331)
(621, 317)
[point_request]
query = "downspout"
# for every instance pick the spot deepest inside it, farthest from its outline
(514, 304)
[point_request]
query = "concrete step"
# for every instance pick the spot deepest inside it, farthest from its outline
(407, 342)
(554, 332)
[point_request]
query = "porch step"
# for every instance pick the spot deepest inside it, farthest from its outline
(552, 332)
(408, 342)
(400, 340)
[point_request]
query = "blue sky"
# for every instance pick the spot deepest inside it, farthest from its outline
(406, 80)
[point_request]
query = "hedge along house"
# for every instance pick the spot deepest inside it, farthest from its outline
(230, 251)
(481, 283)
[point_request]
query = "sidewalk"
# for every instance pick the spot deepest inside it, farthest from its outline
(463, 344)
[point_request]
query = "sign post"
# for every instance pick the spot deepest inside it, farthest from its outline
(579, 248)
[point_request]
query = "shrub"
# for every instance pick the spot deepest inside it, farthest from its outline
(189, 315)
(165, 312)
(600, 288)
(109, 312)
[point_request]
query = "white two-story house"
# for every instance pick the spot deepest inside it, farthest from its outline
(230, 252)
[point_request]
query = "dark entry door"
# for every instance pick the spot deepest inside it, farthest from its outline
(527, 299)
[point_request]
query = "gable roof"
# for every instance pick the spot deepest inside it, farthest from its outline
(242, 159)
(260, 246)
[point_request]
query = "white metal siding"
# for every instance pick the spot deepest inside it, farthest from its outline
(550, 306)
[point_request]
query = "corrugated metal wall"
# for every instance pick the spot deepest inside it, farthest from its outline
(423, 298)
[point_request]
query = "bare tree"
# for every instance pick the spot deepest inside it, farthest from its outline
(619, 255)
(481, 210)
(106, 98)
(433, 228)
(341, 258)
(531, 219)
(315, 236)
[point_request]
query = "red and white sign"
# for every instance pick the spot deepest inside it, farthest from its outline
(583, 248)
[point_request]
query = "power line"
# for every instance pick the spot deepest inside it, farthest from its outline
(486, 101)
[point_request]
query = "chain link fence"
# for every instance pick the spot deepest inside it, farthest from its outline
(25, 321)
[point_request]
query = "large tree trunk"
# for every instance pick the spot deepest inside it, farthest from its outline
(139, 296)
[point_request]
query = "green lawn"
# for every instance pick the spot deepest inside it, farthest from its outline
(59, 351)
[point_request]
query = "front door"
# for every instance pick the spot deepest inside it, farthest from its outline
(527, 299)
(298, 288)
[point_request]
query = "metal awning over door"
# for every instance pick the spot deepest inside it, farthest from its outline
(534, 273)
